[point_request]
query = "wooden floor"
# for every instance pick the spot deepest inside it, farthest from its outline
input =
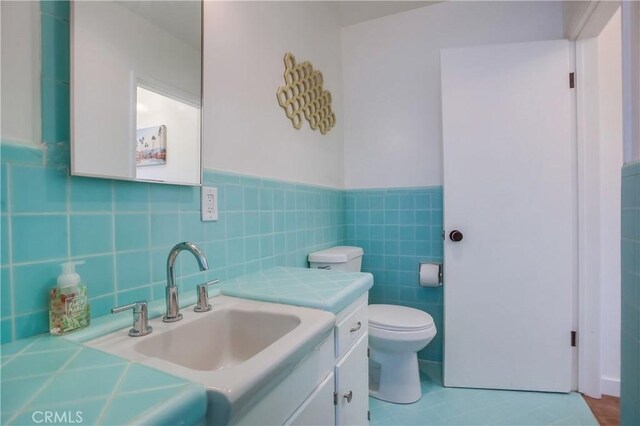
(606, 410)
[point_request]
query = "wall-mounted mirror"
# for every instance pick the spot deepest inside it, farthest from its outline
(136, 92)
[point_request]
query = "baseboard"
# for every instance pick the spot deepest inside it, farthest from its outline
(610, 386)
(426, 365)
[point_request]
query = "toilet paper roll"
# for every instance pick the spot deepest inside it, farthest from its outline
(429, 275)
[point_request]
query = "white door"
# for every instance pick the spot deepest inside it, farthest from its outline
(509, 190)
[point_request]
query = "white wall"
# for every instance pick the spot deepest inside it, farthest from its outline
(245, 130)
(112, 48)
(20, 72)
(392, 119)
(610, 141)
(631, 79)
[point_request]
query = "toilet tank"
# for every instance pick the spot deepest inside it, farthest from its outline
(341, 258)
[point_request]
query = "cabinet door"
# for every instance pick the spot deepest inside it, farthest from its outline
(318, 408)
(352, 385)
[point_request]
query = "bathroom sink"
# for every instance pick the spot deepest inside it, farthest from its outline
(224, 338)
(239, 350)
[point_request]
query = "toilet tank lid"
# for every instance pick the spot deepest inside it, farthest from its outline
(340, 254)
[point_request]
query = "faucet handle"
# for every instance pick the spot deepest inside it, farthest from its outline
(203, 296)
(141, 325)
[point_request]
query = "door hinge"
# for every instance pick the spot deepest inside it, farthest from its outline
(572, 80)
(574, 339)
(368, 415)
(335, 398)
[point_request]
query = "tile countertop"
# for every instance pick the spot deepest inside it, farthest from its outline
(48, 374)
(311, 288)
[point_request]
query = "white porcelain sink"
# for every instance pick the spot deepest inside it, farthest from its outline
(240, 349)
(221, 339)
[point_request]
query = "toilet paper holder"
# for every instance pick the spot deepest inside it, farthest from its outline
(440, 274)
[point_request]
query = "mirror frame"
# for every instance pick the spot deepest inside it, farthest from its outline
(136, 80)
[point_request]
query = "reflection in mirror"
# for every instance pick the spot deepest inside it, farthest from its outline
(168, 138)
(136, 90)
(20, 87)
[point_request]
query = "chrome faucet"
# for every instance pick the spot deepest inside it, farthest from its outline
(171, 291)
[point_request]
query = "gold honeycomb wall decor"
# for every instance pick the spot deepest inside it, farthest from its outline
(303, 94)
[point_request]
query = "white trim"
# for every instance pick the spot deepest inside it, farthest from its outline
(590, 275)
(575, 212)
(610, 386)
(589, 368)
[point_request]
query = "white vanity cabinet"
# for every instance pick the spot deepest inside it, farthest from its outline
(352, 386)
(318, 408)
(343, 396)
(351, 398)
(329, 387)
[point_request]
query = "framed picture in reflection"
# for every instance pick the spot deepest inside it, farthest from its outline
(151, 146)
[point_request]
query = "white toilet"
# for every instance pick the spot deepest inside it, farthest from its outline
(396, 334)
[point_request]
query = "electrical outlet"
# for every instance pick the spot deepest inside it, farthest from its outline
(209, 204)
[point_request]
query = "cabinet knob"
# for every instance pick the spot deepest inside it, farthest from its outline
(348, 396)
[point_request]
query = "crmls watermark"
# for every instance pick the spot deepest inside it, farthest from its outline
(57, 417)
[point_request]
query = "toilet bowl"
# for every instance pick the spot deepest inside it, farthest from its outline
(396, 334)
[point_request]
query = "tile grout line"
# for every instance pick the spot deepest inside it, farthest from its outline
(10, 249)
(156, 388)
(12, 357)
(32, 376)
(113, 247)
(44, 385)
(150, 245)
(68, 214)
(113, 394)
(112, 253)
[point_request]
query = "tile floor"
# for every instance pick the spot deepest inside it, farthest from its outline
(450, 406)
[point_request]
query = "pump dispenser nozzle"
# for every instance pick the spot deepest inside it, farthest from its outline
(69, 277)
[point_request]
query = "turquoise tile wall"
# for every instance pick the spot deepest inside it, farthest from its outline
(398, 228)
(124, 230)
(630, 371)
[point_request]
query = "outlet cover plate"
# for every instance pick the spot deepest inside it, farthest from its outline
(209, 204)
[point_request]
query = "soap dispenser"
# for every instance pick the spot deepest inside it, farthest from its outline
(69, 308)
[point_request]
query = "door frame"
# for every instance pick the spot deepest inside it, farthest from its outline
(589, 25)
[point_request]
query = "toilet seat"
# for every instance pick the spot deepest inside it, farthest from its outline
(399, 318)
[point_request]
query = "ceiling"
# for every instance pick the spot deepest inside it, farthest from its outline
(182, 18)
(352, 12)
